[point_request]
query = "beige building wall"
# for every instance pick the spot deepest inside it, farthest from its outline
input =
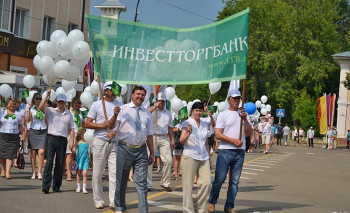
(62, 11)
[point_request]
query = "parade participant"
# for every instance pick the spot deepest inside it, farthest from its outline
(348, 139)
(231, 150)
(135, 130)
(103, 144)
(60, 126)
(37, 135)
(195, 159)
(310, 136)
(83, 150)
(286, 133)
(163, 127)
(10, 127)
(333, 137)
(266, 134)
(79, 123)
(301, 134)
(279, 134)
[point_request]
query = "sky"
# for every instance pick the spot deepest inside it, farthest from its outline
(169, 13)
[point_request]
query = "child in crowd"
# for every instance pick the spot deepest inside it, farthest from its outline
(82, 161)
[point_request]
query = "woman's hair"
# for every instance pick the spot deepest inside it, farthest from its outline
(36, 95)
(197, 105)
(80, 134)
(8, 100)
(76, 99)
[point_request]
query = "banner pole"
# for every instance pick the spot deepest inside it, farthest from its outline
(102, 100)
(243, 99)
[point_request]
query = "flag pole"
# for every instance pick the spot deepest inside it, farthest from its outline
(243, 99)
(102, 100)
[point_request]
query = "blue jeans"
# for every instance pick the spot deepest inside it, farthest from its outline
(227, 159)
(56, 146)
(126, 158)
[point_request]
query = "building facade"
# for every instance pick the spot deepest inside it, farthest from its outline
(23, 23)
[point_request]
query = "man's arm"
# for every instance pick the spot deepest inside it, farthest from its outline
(71, 144)
(220, 136)
(113, 119)
(151, 109)
(89, 124)
(171, 136)
(44, 100)
(150, 148)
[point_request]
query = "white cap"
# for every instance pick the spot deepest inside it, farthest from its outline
(161, 97)
(234, 93)
(108, 85)
(62, 97)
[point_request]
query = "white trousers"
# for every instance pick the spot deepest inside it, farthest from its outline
(102, 151)
(190, 167)
(161, 143)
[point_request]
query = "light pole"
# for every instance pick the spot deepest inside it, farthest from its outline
(136, 12)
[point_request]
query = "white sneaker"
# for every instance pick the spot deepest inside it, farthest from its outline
(78, 189)
(85, 191)
(99, 206)
(118, 211)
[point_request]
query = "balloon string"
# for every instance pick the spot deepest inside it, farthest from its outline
(209, 99)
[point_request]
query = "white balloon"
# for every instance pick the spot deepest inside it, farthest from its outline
(221, 106)
(124, 89)
(29, 81)
(81, 50)
(49, 80)
(263, 99)
(216, 103)
(268, 107)
(52, 96)
(68, 85)
(184, 103)
(60, 90)
(263, 111)
(94, 87)
(176, 104)
(73, 74)
(56, 35)
(76, 35)
(169, 93)
(61, 69)
(46, 65)
(262, 106)
(36, 60)
(88, 89)
(64, 46)
(86, 99)
(81, 62)
(89, 135)
(214, 87)
(45, 48)
(258, 104)
(5, 90)
(189, 107)
(72, 92)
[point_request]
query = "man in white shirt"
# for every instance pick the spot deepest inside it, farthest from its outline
(103, 144)
(310, 136)
(135, 130)
(286, 133)
(231, 150)
(60, 126)
(163, 127)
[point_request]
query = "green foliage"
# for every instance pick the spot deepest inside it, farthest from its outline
(306, 111)
(346, 82)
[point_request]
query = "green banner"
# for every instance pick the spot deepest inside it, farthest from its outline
(138, 53)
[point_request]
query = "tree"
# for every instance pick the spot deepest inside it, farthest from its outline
(290, 48)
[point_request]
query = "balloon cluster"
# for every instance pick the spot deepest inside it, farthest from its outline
(264, 108)
(62, 57)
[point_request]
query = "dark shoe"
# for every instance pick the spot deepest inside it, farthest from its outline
(230, 211)
(45, 190)
(149, 189)
(57, 190)
(168, 189)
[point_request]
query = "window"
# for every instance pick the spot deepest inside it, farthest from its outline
(21, 23)
(47, 28)
(72, 26)
(21, 70)
(5, 8)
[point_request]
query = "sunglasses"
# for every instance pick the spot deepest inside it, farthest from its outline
(38, 98)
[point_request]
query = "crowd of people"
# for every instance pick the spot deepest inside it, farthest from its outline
(127, 138)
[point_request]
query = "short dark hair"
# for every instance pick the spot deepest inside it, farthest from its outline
(138, 88)
(198, 105)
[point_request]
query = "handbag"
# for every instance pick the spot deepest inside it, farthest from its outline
(177, 135)
(20, 159)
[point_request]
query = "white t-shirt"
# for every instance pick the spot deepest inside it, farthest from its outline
(195, 146)
(164, 120)
(97, 114)
(286, 130)
(230, 121)
(266, 130)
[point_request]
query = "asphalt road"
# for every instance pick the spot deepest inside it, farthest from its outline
(288, 179)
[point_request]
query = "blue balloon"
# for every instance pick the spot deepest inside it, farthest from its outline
(250, 108)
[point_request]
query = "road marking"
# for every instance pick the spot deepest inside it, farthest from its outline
(261, 170)
(164, 205)
(309, 153)
(249, 173)
(264, 163)
(245, 178)
(259, 166)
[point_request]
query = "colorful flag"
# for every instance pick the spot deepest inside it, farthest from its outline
(183, 113)
(116, 88)
(25, 94)
(322, 114)
(89, 72)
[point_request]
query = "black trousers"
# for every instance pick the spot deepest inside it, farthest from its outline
(311, 142)
(279, 140)
(56, 146)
